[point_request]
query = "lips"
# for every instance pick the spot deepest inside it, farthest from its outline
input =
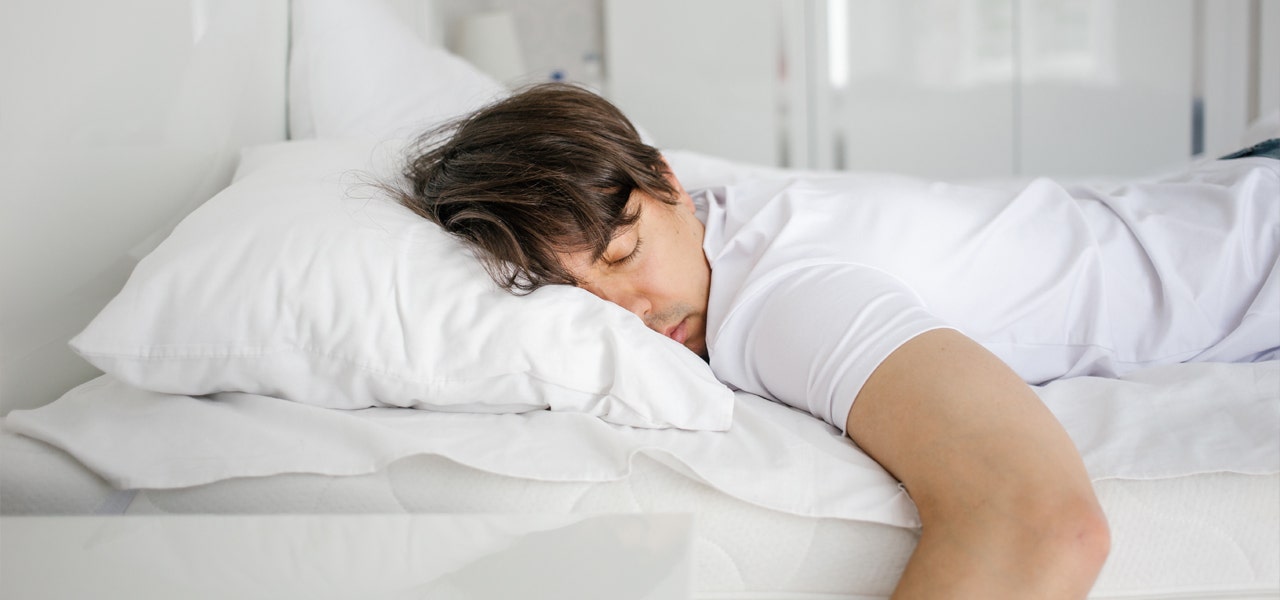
(680, 332)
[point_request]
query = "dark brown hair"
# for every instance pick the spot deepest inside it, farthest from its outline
(546, 170)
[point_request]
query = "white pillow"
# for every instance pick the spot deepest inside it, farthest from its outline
(302, 281)
(356, 71)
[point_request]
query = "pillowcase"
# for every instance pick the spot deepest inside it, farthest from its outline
(356, 71)
(304, 281)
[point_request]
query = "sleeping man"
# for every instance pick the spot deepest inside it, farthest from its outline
(912, 315)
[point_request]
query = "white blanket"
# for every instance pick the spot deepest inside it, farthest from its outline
(1158, 423)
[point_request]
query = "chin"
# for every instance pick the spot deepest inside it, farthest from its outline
(701, 351)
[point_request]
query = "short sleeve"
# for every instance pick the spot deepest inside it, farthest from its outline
(812, 337)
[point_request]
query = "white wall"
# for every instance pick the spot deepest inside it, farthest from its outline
(699, 75)
(554, 35)
(1023, 87)
(954, 89)
(116, 119)
(1268, 56)
(1112, 95)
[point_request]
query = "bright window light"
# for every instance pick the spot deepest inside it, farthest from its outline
(838, 43)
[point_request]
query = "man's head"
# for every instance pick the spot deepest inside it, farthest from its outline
(554, 186)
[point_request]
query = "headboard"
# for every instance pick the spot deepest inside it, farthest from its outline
(116, 120)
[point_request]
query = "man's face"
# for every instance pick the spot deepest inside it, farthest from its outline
(656, 269)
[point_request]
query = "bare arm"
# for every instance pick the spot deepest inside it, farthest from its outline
(1006, 506)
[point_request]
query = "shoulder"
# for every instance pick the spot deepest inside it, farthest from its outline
(809, 336)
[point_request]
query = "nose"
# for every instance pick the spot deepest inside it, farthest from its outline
(624, 295)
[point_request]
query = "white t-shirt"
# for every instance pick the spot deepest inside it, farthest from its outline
(816, 281)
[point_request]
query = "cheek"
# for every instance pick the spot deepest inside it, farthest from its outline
(679, 273)
(652, 274)
(694, 259)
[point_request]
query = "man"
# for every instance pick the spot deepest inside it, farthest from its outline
(847, 297)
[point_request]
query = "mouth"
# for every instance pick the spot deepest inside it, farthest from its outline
(680, 332)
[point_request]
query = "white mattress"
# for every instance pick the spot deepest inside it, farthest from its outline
(1186, 460)
(633, 556)
(1202, 536)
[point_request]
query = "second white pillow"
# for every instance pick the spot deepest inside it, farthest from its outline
(356, 71)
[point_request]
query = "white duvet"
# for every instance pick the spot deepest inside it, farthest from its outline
(1157, 423)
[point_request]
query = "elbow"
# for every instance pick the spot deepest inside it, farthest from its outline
(1034, 545)
(1090, 538)
(1056, 544)
(1074, 543)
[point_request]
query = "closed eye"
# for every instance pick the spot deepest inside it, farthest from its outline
(635, 251)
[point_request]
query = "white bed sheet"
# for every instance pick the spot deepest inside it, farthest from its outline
(1201, 536)
(1162, 422)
